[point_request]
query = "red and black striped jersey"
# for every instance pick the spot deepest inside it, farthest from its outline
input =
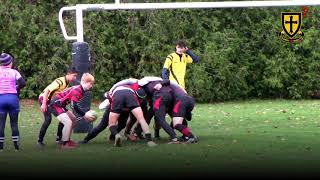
(71, 94)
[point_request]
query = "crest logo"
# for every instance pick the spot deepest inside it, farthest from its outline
(291, 24)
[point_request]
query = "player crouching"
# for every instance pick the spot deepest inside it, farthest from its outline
(58, 107)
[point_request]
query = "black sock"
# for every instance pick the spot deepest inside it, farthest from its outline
(113, 130)
(86, 139)
(65, 142)
(148, 137)
(1, 142)
(59, 131)
(157, 133)
(127, 131)
(3, 117)
(44, 126)
(16, 145)
(111, 137)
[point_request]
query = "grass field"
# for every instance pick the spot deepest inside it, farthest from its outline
(278, 138)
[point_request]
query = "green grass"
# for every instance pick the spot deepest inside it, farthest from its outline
(256, 137)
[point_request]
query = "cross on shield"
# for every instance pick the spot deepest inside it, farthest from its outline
(291, 23)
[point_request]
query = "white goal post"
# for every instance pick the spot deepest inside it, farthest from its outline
(79, 8)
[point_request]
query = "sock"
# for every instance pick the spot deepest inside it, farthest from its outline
(157, 133)
(59, 131)
(111, 137)
(113, 130)
(16, 145)
(127, 131)
(58, 138)
(15, 129)
(65, 142)
(86, 139)
(148, 137)
(3, 117)
(184, 130)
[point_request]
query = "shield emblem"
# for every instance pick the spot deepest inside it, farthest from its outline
(291, 22)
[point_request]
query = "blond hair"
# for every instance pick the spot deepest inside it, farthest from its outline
(87, 77)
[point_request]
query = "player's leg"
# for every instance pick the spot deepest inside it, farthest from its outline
(130, 123)
(183, 105)
(116, 108)
(138, 114)
(177, 124)
(160, 103)
(44, 127)
(126, 121)
(3, 117)
(14, 116)
(156, 127)
(14, 109)
(113, 119)
(66, 131)
(59, 133)
(137, 132)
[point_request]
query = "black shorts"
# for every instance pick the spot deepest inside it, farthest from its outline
(183, 105)
(124, 99)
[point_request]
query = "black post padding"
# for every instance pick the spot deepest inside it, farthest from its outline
(81, 61)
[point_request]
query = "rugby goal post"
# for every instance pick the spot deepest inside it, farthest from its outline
(80, 49)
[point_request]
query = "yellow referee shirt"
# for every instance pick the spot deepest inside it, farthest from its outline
(177, 67)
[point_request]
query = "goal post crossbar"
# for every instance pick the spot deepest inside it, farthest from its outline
(79, 8)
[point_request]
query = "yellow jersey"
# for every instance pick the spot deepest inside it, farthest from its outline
(56, 86)
(176, 65)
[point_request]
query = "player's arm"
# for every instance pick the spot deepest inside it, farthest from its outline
(165, 70)
(21, 83)
(45, 100)
(148, 79)
(123, 82)
(75, 99)
(78, 109)
(48, 90)
(165, 82)
(192, 58)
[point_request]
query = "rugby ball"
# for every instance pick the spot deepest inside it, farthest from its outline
(91, 116)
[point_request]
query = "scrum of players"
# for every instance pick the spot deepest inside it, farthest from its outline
(131, 104)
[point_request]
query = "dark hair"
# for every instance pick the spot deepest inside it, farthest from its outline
(141, 93)
(181, 43)
(72, 70)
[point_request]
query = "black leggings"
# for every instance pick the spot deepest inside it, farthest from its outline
(14, 125)
(45, 125)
